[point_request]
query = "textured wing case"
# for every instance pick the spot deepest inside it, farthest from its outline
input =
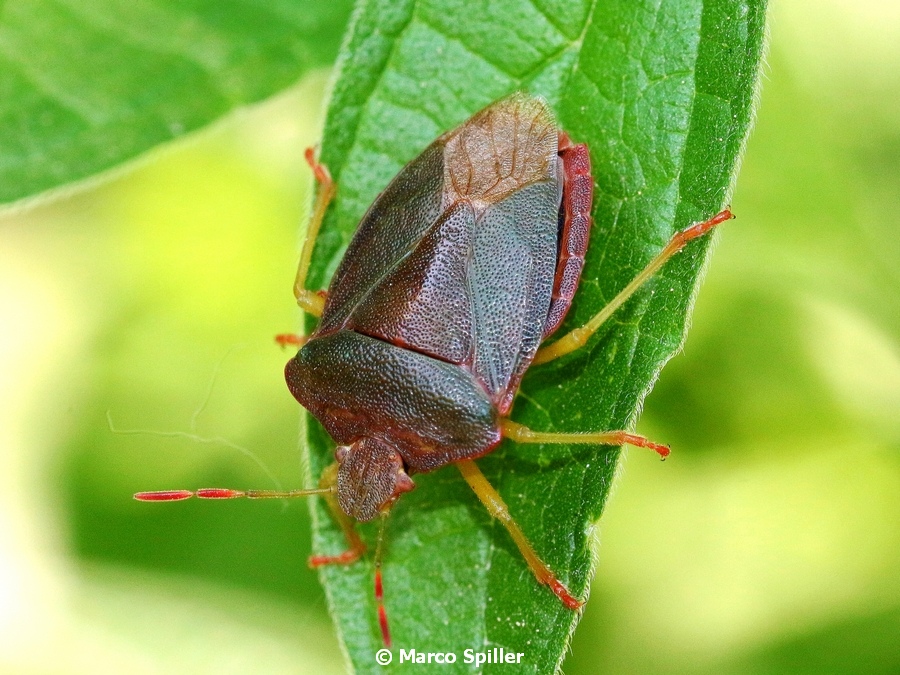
(392, 227)
(423, 303)
(456, 258)
(512, 270)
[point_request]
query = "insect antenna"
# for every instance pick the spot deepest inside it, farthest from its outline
(379, 589)
(226, 493)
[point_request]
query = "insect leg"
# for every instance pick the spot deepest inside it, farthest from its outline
(328, 481)
(313, 301)
(379, 588)
(291, 339)
(522, 434)
(357, 546)
(495, 505)
(579, 336)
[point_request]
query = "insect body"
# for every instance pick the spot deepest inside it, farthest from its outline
(443, 298)
(457, 273)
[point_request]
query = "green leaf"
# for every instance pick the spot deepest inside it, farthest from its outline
(662, 93)
(88, 84)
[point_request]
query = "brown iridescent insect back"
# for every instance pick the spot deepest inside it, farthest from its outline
(457, 273)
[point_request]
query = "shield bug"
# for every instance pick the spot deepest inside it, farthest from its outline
(460, 269)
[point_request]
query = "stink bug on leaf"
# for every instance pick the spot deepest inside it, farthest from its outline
(459, 271)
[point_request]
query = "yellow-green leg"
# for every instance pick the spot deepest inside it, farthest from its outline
(313, 301)
(495, 505)
(578, 337)
(328, 483)
(522, 434)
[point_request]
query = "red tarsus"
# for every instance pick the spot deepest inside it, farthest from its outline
(563, 594)
(700, 229)
(321, 172)
(383, 622)
(641, 442)
(344, 558)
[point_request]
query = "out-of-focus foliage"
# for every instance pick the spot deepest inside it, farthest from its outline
(88, 84)
(766, 544)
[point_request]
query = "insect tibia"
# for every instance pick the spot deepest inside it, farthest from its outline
(522, 434)
(226, 493)
(498, 509)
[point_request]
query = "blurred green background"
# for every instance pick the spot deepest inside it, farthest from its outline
(770, 543)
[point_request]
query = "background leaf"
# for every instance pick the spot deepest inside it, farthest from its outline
(88, 84)
(662, 94)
